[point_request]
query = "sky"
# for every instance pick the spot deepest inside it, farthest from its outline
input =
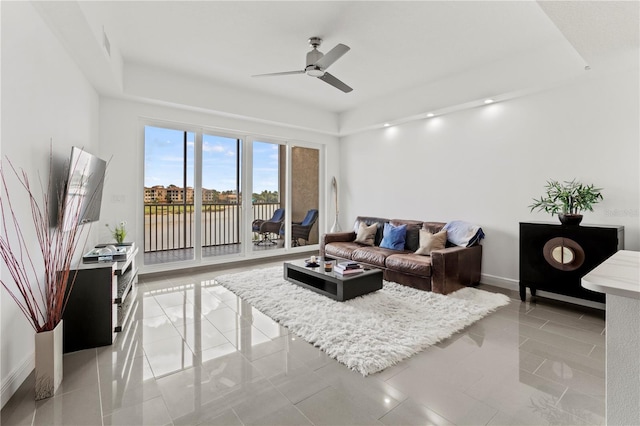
(164, 153)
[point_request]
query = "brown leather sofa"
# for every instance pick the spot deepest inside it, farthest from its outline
(445, 271)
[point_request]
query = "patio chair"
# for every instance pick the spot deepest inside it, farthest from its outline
(267, 227)
(301, 230)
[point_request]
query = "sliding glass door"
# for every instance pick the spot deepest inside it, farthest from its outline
(168, 194)
(285, 199)
(194, 203)
(268, 195)
(305, 195)
(221, 221)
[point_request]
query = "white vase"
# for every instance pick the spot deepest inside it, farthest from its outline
(48, 362)
(336, 226)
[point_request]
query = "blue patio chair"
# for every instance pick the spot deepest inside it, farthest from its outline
(301, 230)
(267, 227)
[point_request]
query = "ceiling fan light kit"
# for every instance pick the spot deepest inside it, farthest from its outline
(314, 71)
(317, 64)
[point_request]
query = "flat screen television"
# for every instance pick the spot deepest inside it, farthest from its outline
(83, 189)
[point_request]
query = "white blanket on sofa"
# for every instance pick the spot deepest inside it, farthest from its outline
(463, 233)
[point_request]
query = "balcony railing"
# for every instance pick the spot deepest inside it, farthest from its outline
(171, 226)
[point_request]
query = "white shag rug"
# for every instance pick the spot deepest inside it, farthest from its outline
(368, 333)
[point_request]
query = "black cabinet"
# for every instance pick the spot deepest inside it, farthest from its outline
(100, 302)
(554, 257)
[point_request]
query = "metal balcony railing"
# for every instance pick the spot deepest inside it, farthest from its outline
(171, 226)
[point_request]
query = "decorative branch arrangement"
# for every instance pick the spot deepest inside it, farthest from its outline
(41, 299)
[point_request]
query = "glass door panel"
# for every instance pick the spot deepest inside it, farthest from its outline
(305, 195)
(221, 195)
(268, 195)
(193, 187)
(168, 195)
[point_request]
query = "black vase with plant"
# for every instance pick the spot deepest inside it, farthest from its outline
(567, 199)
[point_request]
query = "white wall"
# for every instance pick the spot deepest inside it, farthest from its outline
(44, 97)
(122, 140)
(485, 164)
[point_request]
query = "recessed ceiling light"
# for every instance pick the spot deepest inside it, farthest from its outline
(430, 115)
(488, 101)
(386, 124)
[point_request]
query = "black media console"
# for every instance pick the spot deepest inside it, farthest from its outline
(100, 302)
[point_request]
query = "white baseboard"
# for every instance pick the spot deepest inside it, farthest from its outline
(11, 384)
(512, 284)
(501, 282)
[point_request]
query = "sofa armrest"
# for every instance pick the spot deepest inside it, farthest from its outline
(335, 237)
(454, 268)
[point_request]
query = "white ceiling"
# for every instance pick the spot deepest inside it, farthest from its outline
(395, 46)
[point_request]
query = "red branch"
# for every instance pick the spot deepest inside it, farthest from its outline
(41, 299)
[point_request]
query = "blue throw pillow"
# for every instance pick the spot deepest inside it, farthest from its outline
(393, 236)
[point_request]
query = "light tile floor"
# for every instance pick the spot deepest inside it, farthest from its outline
(197, 354)
(180, 255)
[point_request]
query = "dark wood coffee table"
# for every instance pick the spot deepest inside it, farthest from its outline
(330, 284)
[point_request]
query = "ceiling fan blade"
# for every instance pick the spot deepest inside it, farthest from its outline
(328, 78)
(331, 56)
(279, 73)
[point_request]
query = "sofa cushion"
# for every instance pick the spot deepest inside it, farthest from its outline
(430, 242)
(374, 256)
(366, 234)
(343, 250)
(393, 236)
(412, 237)
(409, 263)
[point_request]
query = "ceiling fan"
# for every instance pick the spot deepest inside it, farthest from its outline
(317, 64)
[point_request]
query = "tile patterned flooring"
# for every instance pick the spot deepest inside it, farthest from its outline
(197, 354)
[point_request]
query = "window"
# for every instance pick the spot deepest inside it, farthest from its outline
(168, 194)
(194, 208)
(305, 195)
(268, 196)
(221, 195)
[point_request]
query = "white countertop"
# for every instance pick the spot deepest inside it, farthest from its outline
(618, 275)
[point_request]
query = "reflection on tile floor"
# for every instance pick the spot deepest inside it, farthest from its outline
(195, 353)
(182, 254)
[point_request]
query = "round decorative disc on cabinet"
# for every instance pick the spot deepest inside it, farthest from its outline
(563, 254)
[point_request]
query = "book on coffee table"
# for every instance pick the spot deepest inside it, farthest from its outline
(347, 265)
(348, 268)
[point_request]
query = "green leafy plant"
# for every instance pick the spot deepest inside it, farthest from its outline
(119, 232)
(568, 197)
